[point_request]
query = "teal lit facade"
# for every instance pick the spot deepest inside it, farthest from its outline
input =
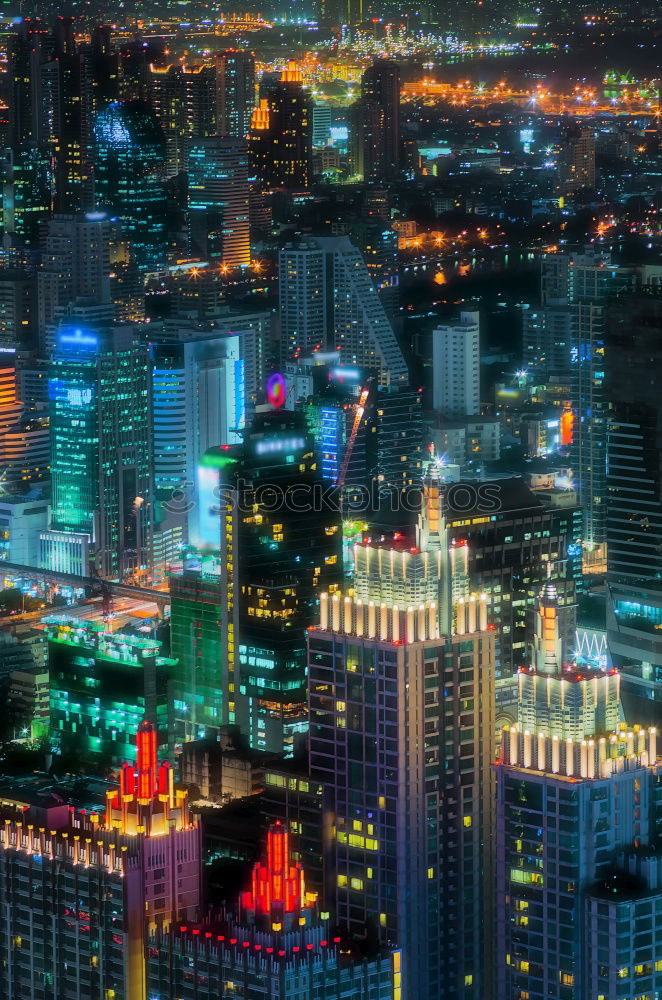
(130, 153)
(100, 451)
(102, 686)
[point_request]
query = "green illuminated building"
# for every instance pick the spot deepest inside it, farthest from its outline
(102, 686)
(130, 154)
(199, 644)
(100, 455)
(278, 547)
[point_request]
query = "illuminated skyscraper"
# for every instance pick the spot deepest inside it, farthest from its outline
(101, 454)
(235, 92)
(101, 686)
(129, 158)
(375, 123)
(86, 891)
(329, 301)
(260, 509)
(401, 736)
(75, 263)
(456, 367)
(277, 944)
(184, 101)
(26, 191)
(282, 135)
(219, 228)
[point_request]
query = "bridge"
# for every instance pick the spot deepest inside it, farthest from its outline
(92, 583)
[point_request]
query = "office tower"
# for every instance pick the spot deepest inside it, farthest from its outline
(500, 537)
(86, 890)
(75, 264)
(281, 140)
(18, 313)
(24, 437)
(26, 191)
(557, 695)
(24, 56)
(129, 156)
(102, 70)
(219, 229)
(634, 501)
(577, 161)
(102, 685)
(379, 245)
(65, 123)
(101, 455)
(400, 442)
(565, 343)
(183, 98)
(375, 123)
(623, 956)
(338, 405)
(198, 629)
(235, 92)
(456, 366)
(276, 944)
(565, 809)
(328, 301)
(279, 545)
(401, 736)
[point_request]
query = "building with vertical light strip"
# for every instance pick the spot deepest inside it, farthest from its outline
(578, 796)
(401, 737)
(81, 893)
(278, 945)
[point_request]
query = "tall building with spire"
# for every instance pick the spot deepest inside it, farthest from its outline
(82, 892)
(558, 695)
(577, 792)
(278, 944)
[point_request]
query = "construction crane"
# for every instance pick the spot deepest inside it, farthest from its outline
(358, 417)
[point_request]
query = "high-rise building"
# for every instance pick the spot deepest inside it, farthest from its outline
(129, 159)
(577, 161)
(18, 312)
(499, 539)
(279, 546)
(75, 263)
(634, 501)
(235, 92)
(281, 141)
(102, 684)
(277, 944)
(565, 809)
(328, 301)
(219, 229)
(64, 119)
(82, 892)
(101, 454)
(456, 367)
(564, 342)
(26, 191)
(24, 56)
(379, 245)
(184, 101)
(402, 738)
(375, 123)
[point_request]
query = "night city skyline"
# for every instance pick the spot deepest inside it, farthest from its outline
(330, 500)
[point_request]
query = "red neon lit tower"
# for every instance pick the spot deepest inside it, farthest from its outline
(147, 800)
(278, 887)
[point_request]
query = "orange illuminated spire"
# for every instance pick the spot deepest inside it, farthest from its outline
(291, 74)
(260, 116)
